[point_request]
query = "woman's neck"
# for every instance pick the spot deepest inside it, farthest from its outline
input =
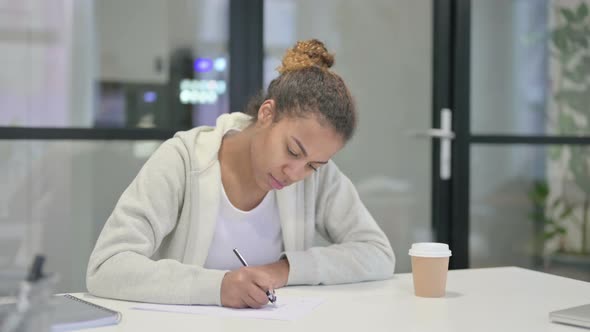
(237, 175)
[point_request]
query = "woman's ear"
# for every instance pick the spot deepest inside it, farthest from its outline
(266, 112)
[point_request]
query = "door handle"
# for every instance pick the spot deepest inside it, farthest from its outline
(445, 134)
(436, 133)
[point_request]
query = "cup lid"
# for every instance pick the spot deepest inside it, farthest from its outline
(430, 249)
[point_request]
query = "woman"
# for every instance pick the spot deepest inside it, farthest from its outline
(262, 182)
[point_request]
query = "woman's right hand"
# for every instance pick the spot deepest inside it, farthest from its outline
(245, 288)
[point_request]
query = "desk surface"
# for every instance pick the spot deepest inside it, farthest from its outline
(493, 299)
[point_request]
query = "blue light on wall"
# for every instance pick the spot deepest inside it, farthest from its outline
(219, 64)
(150, 96)
(203, 65)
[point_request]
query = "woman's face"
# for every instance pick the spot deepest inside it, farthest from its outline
(291, 149)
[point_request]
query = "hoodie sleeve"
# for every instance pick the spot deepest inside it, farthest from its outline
(121, 265)
(360, 250)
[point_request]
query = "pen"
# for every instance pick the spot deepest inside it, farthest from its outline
(271, 296)
(15, 321)
(36, 271)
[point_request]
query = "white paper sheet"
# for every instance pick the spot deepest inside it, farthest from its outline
(286, 308)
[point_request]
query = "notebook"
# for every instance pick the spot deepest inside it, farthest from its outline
(72, 313)
(579, 316)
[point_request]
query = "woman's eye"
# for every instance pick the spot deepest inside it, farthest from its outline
(292, 153)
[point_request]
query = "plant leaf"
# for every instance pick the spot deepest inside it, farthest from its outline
(568, 14)
(549, 222)
(576, 99)
(555, 203)
(554, 152)
(582, 11)
(579, 38)
(567, 211)
(559, 39)
(567, 124)
(574, 75)
(549, 235)
(542, 188)
(579, 167)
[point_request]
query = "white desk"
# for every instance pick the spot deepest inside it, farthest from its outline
(494, 299)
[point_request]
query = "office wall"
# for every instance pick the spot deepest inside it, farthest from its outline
(137, 37)
(133, 38)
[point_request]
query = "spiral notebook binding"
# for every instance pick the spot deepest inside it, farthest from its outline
(71, 297)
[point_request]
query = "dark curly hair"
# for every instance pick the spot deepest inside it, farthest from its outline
(307, 86)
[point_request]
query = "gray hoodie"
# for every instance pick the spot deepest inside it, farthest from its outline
(154, 244)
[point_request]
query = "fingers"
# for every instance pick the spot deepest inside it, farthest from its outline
(241, 288)
(262, 279)
(252, 302)
(254, 297)
(258, 295)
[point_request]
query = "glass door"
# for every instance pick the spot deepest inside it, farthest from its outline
(522, 96)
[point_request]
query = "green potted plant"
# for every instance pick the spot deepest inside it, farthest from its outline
(561, 205)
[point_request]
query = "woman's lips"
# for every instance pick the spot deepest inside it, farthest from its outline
(275, 184)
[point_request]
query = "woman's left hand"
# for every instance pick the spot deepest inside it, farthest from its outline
(279, 272)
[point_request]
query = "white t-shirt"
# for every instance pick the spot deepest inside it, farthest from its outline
(256, 234)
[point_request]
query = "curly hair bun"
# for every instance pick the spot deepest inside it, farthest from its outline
(307, 53)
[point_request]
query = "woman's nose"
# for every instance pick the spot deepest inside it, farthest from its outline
(295, 171)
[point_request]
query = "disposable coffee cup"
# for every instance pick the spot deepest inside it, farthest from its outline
(430, 264)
